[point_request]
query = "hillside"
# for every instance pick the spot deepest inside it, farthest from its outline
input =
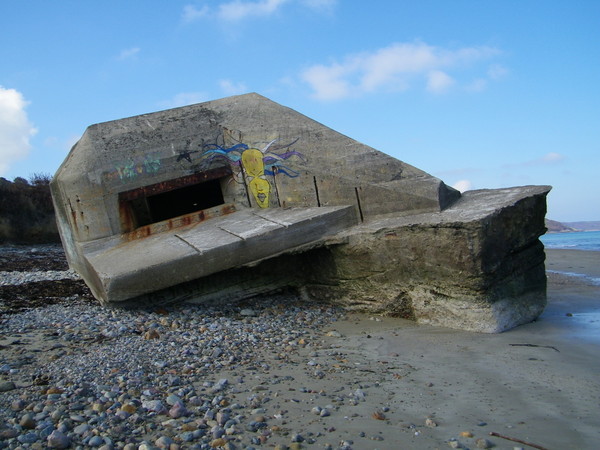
(26, 211)
(557, 227)
(584, 226)
(569, 227)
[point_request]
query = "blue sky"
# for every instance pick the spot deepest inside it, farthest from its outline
(482, 94)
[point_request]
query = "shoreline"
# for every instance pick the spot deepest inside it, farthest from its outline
(356, 382)
(583, 262)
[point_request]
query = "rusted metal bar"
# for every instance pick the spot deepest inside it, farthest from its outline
(176, 183)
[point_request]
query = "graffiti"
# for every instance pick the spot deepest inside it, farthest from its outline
(255, 165)
(187, 153)
(126, 170)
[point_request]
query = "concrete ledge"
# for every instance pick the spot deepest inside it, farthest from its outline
(131, 268)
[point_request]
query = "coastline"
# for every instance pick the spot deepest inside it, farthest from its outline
(384, 383)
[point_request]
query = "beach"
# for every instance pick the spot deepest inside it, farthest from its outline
(317, 378)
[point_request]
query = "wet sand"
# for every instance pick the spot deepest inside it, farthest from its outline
(538, 382)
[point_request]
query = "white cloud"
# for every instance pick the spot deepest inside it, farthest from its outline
(191, 13)
(128, 53)
(438, 81)
(183, 99)
(497, 72)
(477, 85)
(392, 68)
(231, 88)
(238, 10)
(329, 83)
(320, 5)
(462, 185)
(552, 157)
(15, 128)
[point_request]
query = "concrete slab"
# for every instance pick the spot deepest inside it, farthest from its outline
(141, 266)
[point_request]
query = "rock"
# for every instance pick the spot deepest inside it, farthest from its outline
(58, 440)
(8, 433)
(178, 410)
(378, 415)
(430, 423)
(27, 438)
(96, 441)
(27, 422)
(6, 386)
(18, 405)
(129, 408)
(82, 429)
(466, 434)
(163, 442)
(172, 399)
(219, 442)
(483, 443)
(155, 406)
(151, 334)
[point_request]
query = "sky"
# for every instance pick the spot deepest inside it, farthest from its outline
(482, 94)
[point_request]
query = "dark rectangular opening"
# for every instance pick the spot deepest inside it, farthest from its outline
(184, 201)
(173, 198)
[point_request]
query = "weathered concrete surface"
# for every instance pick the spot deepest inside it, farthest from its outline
(242, 152)
(126, 270)
(477, 265)
(231, 198)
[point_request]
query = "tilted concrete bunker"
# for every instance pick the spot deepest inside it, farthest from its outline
(240, 196)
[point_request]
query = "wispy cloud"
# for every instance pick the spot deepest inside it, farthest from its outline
(15, 128)
(230, 88)
(183, 99)
(320, 5)
(128, 53)
(192, 13)
(439, 81)
(392, 69)
(550, 158)
(239, 10)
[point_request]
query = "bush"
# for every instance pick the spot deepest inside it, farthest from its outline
(26, 211)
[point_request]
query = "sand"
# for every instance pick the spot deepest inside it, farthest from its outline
(392, 384)
(539, 382)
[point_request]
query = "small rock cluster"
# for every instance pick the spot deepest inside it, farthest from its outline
(149, 379)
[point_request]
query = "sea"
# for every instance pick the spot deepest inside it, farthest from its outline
(580, 240)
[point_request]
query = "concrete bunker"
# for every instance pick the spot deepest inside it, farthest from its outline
(240, 196)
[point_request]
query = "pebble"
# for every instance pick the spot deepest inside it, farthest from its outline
(153, 379)
(58, 440)
(6, 386)
(483, 443)
(17, 278)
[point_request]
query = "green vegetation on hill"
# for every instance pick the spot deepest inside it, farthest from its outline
(26, 211)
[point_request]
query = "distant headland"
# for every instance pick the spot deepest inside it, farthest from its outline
(571, 227)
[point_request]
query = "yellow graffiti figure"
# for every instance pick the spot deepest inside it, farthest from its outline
(252, 162)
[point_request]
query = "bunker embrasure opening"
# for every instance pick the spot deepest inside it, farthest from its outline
(173, 198)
